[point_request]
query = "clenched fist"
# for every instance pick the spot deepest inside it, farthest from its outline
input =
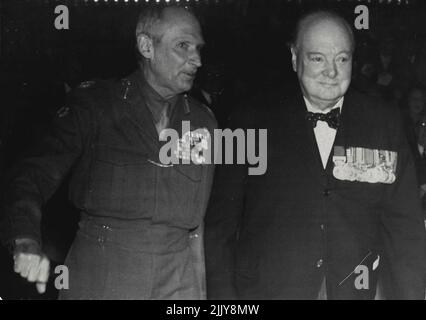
(31, 263)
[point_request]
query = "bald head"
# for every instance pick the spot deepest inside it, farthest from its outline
(327, 21)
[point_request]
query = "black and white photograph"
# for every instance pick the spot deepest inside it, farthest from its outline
(226, 151)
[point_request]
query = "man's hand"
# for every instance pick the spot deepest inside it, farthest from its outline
(31, 263)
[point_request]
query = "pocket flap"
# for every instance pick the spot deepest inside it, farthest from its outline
(120, 156)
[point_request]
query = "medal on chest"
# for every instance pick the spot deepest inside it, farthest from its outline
(364, 165)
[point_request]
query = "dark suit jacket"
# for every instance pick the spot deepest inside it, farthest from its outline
(277, 235)
(419, 160)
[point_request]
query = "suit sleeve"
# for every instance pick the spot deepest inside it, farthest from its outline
(404, 229)
(34, 179)
(222, 221)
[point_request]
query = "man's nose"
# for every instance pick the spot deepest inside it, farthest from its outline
(195, 59)
(331, 70)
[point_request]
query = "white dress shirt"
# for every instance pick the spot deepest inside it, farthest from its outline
(421, 149)
(324, 135)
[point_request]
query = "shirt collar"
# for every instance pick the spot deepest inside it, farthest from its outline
(155, 102)
(311, 108)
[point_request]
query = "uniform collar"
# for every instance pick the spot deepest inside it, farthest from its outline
(154, 100)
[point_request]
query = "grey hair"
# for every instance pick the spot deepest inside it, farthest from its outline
(148, 20)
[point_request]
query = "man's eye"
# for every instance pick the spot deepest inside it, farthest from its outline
(343, 59)
(183, 45)
(316, 59)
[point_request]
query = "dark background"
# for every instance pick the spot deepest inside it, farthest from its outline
(246, 52)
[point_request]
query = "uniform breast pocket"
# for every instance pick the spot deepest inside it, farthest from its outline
(123, 182)
(180, 195)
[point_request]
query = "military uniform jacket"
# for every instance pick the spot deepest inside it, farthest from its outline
(276, 236)
(106, 137)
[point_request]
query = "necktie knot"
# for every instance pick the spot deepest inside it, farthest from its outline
(164, 118)
(332, 118)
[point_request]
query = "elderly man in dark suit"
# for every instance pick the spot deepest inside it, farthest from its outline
(339, 198)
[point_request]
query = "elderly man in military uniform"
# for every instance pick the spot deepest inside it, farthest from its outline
(140, 231)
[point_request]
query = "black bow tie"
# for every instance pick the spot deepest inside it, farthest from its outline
(332, 118)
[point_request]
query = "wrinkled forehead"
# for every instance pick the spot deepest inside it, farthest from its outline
(326, 34)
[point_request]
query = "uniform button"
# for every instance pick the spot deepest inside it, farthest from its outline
(319, 263)
(326, 192)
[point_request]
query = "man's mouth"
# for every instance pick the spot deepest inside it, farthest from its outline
(190, 75)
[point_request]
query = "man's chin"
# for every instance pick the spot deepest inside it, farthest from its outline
(186, 86)
(325, 101)
(331, 96)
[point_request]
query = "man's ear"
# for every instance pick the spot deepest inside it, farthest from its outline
(145, 46)
(294, 58)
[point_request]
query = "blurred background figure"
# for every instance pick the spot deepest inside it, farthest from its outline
(416, 101)
(365, 72)
(413, 106)
(420, 159)
(387, 67)
(420, 63)
(414, 110)
(209, 87)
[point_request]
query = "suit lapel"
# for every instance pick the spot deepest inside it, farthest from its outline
(306, 143)
(350, 129)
